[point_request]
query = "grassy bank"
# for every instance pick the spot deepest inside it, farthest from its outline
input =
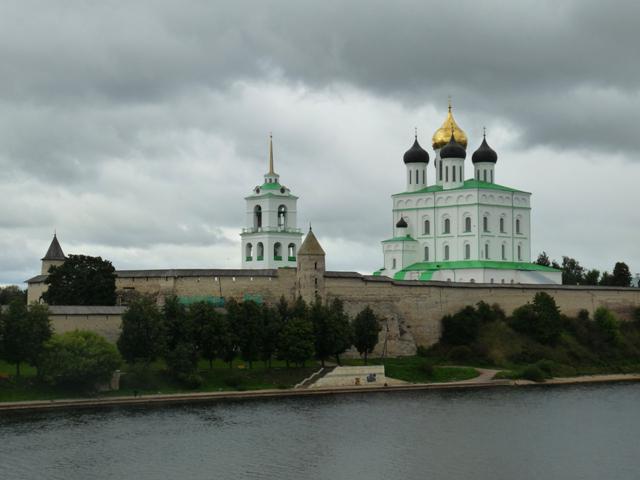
(155, 379)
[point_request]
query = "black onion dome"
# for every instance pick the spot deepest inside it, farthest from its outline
(453, 150)
(416, 154)
(401, 223)
(484, 153)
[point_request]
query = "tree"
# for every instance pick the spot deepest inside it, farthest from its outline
(296, 341)
(543, 259)
(80, 359)
(606, 279)
(271, 330)
(142, 333)
(177, 325)
(211, 329)
(11, 293)
(621, 275)
(608, 325)
(322, 330)
(81, 280)
(461, 328)
(572, 271)
(24, 333)
(341, 329)
(366, 328)
(591, 277)
(246, 319)
(541, 320)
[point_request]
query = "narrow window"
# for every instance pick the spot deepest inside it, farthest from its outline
(427, 227)
(504, 253)
(491, 172)
(461, 176)
(519, 253)
(393, 264)
(447, 225)
(485, 224)
(257, 216)
(282, 216)
(446, 173)
(467, 251)
(410, 177)
(426, 254)
(417, 176)
(484, 174)
(486, 251)
(467, 224)
(477, 174)
(517, 225)
(453, 173)
(315, 265)
(501, 225)
(440, 170)
(446, 252)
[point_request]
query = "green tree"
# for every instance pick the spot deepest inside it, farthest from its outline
(366, 329)
(322, 330)
(341, 330)
(543, 259)
(211, 329)
(572, 271)
(142, 332)
(81, 280)
(608, 325)
(177, 324)
(247, 321)
(296, 342)
(11, 293)
(591, 277)
(271, 330)
(463, 327)
(621, 275)
(606, 279)
(24, 333)
(540, 320)
(80, 359)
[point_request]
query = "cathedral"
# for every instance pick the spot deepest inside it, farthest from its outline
(457, 230)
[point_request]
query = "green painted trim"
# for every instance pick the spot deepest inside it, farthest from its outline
(406, 238)
(248, 259)
(265, 195)
(426, 275)
(259, 259)
(270, 186)
(491, 264)
(399, 275)
(378, 272)
(292, 259)
(276, 257)
(461, 205)
(299, 234)
(471, 184)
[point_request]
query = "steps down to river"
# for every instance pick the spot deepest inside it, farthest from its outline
(372, 375)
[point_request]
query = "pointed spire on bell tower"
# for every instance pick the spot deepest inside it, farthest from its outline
(271, 176)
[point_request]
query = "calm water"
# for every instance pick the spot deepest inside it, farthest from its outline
(538, 433)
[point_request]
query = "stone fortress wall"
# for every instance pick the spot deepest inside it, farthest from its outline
(412, 309)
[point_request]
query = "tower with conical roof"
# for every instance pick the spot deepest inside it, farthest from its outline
(311, 268)
(54, 256)
(270, 238)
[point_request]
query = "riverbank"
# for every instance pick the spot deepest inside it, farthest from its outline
(201, 397)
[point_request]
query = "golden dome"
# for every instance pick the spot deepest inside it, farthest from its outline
(443, 134)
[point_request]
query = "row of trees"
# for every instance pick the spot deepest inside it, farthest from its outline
(575, 274)
(293, 333)
(10, 293)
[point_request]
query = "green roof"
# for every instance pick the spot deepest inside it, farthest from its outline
(406, 238)
(467, 185)
(270, 186)
(461, 264)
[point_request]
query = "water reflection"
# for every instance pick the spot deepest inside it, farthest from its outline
(569, 432)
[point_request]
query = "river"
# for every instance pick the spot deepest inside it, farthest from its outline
(576, 432)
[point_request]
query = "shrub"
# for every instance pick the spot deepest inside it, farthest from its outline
(461, 328)
(607, 325)
(539, 320)
(461, 353)
(428, 369)
(533, 373)
(548, 367)
(233, 381)
(190, 380)
(422, 351)
(80, 359)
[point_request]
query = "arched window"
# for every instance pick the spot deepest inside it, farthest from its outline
(257, 216)
(447, 225)
(486, 251)
(461, 176)
(277, 251)
(282, 216)
(491, 172)
(418, 176)
(467, 224)
(446, 252)
(248, 251)
(504, 251)
(467, 251)
(446, 173)
(426, 254)
(477, 174)
(427, 227)
(291, 251)
(440, 170)
(519, 252)
(453, 173)
(501, 224)
(393, 264)
(484, 175)
(485, 224)
(517, 225)
(410, 171)
(260, 252)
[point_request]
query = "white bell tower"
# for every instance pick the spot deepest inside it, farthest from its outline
(270, 238)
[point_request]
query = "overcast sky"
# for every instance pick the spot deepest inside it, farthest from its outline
(135, 129)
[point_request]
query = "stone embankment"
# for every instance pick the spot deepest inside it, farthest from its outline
(481, 382)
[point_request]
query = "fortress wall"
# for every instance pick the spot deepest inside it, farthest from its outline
(413, 310)
(106, 325)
